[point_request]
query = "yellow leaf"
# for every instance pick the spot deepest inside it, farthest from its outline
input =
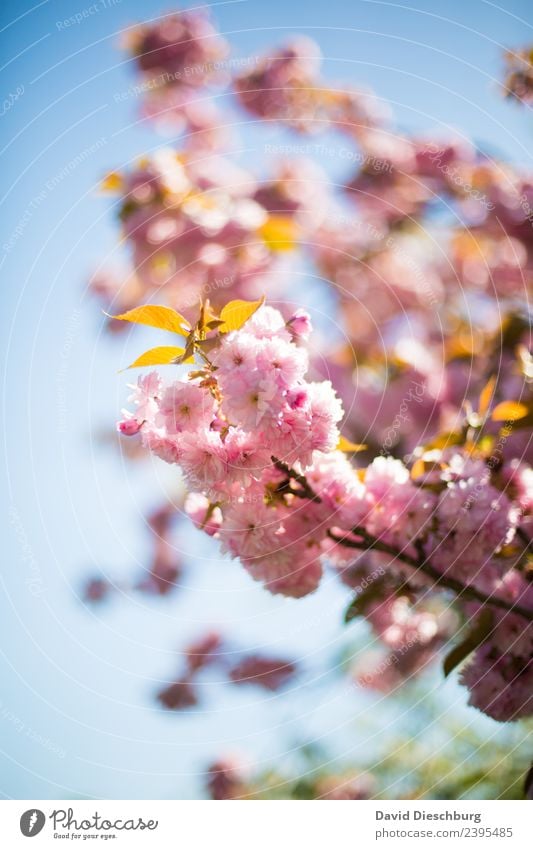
(279, 232)
(509, 411)
(486, 396)
(155, 316)
(345, 445)
(112, 182)
(445, 440)
(236, 313)
(161, 356)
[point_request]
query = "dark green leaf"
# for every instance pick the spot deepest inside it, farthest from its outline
(477, 635)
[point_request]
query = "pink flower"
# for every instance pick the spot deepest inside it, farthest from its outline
(397, 510)
(185, 406)
(266, 323)
(203, 651)
(520, 477)
(334, 479)
(236, 355)
(474, 520)
(165, 447)
(326, 411)
(202, 457)
(399, 625)
(293, 569)
(287, 362)
(201, 513)
(249, 398)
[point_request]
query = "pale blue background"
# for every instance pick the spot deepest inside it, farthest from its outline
(76, 714)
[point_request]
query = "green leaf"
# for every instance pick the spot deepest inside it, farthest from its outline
(153, 315)
(477, 635)
(237, 313)
(362, 600)
(161, 356)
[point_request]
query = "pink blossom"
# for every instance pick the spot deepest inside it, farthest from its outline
(202, 514)
(245, 460)
(178, 696)
(326, 412)
(237, 354)
(129, 426)
(145, 396)
(266, 323)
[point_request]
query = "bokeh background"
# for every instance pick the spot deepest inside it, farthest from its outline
(77, 713)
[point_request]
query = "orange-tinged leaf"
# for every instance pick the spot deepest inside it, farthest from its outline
(236, 313)
(486, 396)
(509, 411)
(345, 445)
(418, 469)
(161, 356)
(156, 316)
(279, 232)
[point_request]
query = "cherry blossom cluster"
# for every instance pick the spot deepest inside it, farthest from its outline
(286, 86)
(177, 57)
(257, 443)
(224, 428)
(198, 228)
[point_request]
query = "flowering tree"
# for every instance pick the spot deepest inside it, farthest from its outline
(258, 445)
(424, 254)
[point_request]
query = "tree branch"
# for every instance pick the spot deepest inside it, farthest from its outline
(421, 562)
(305, 491)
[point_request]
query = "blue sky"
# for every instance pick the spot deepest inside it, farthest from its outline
(76, 714)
